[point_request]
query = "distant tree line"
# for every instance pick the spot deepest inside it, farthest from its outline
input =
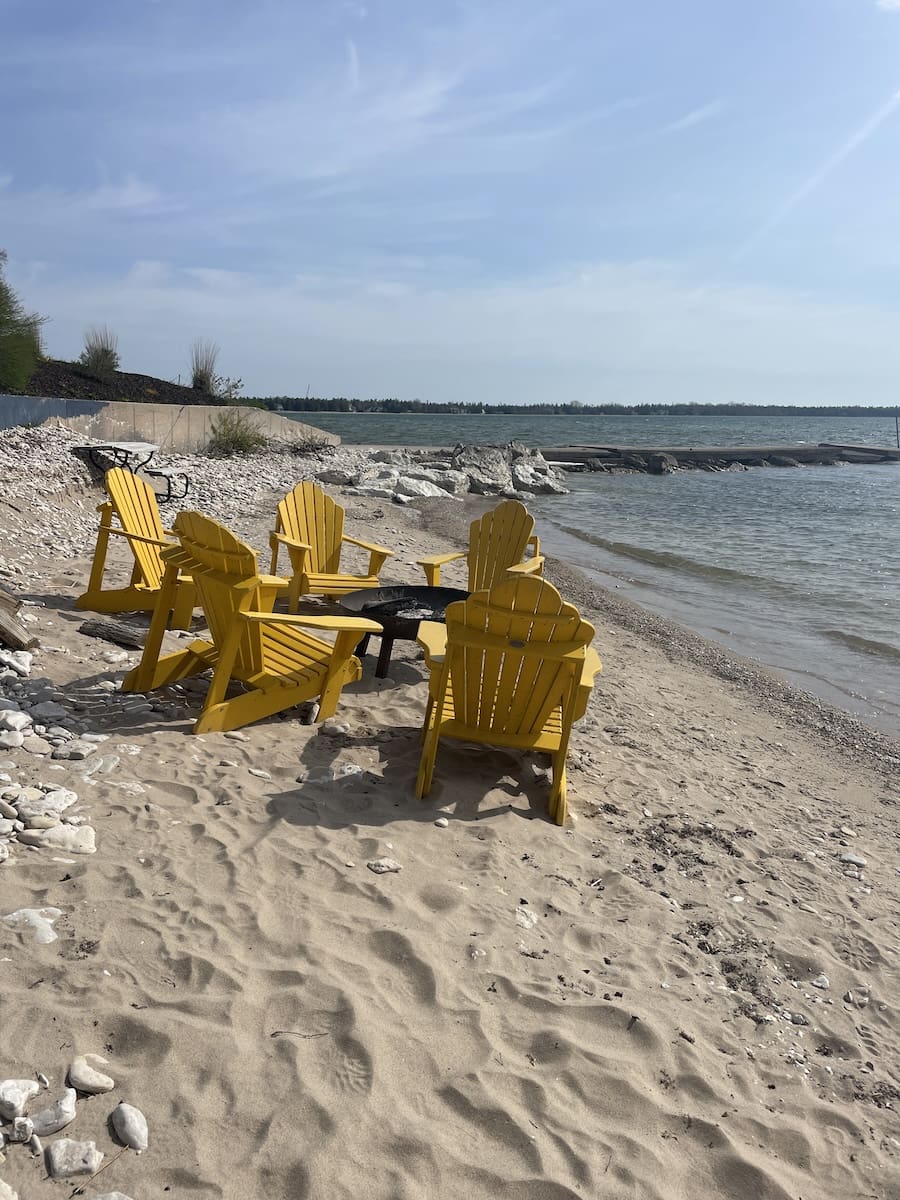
(343, 404)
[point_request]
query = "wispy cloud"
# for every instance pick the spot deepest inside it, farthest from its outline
(697, 116)
(868, 128)
(889, 5)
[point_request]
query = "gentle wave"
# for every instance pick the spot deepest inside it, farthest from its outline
(669, 560)
(863, 645)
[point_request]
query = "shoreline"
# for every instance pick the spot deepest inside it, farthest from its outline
(686, 993)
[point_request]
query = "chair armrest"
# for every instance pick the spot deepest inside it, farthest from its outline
(531, 566)
(383, 550)
(432, 564)
(138, 537)
(276, 581)
(592, 666)
(360, 625)
(288, 541)
(432, 637)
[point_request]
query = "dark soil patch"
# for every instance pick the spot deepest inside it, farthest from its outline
(69, 381)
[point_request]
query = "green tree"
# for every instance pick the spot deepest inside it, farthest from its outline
(20, 338)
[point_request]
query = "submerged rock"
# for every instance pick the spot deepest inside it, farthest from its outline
(130, 1125)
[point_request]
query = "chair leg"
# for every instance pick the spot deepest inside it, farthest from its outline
(426, 763)
(558, 808)
(185, 602)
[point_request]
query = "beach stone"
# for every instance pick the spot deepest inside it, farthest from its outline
(6, 1192)
(41, 822)
(77, 750)
(49, 710)
(17, 660)
(384, 866)
(57, 1116)
(85, 1076)
(259, 773)
(70, 838)
(853, 860)
(11, 739)
(130, 1125)
(12, 720)
(107, 1196)
(37, 745)
(66, 1158)
(821, 982)
(44, 804)
(39, 920)
(7, 810)
(406, 486)
(14, 1095)
(22, 1129)
(7, 826)
(4, 852)
(442, 822)
(537, 476)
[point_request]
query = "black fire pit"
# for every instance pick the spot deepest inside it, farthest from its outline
(398, 610)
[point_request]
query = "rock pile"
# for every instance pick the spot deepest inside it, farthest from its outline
(65, 1158)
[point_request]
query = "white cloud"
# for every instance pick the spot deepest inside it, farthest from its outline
(889, 5)
(132, 196)
(696, 116)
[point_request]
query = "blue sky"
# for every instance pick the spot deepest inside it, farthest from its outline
(483, 200)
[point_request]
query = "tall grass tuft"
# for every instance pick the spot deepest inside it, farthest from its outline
(101, 351)
(235, 432)
(20, 338)
(204, 356)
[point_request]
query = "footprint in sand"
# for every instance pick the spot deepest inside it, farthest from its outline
(412, 975)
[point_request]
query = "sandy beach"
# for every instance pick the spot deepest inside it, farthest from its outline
(689, 992)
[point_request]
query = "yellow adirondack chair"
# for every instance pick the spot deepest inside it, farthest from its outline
(497, 544)
(310, 525)
(512, 667)
(271, 654)
(132, 502)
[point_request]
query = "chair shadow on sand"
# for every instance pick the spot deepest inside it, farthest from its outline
(333, 797)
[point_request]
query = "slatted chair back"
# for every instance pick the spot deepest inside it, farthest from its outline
(225, 571)
(134, 503)
(514, 656)
(310, 515)
(497, 541)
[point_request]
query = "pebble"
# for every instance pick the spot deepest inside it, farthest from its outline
(17, 722)
(107, 1196)
(383, 866)
(235, 735)
(821, 981)
(22, 1129)
(66, 1158)
(85, 1076)
(6, 1192)
(17, 660)
(130, 1125)
(32, 802)
(798, 1018)
(36, 745)
(847, 831)
(259, 773)
(853, 860)
(57, 1116)
(14, 1095)
(442, 822)
(35, 1145)
(11, 739)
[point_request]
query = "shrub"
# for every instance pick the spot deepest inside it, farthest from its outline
(235, 432)
(204, 356)
(101, 351)
(20, 338)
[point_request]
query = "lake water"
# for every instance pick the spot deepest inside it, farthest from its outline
(797, 568)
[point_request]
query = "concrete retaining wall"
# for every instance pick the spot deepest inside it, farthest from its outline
(178, 429)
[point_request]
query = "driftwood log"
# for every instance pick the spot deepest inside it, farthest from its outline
(114, 631)
(12, 632)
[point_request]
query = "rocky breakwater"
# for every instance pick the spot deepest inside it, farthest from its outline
(402, 475)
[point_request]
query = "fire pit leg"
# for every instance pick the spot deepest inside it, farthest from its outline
(384, 656)
(363, 646)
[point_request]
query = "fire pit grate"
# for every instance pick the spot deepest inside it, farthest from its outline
(398, 610)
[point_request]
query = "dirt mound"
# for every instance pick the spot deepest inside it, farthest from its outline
(73, 382)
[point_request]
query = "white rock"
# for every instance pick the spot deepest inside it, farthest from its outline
(36, 745)
(11, 739)
(16, 721)
(853, 860)
(821, 981)
(66, 1158)
(76, 750)
(17, 660)
(22, 1129)
(57, 1116)
(130, 1125)
(259, 773)
(6, 1192)
(70, 838)
(525, 917)
(107, 1196)
(44, 804)
(85, 1076)
(442, 822)
(14, 1095)
(383, 866)
(39, 920)
(4, 852)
